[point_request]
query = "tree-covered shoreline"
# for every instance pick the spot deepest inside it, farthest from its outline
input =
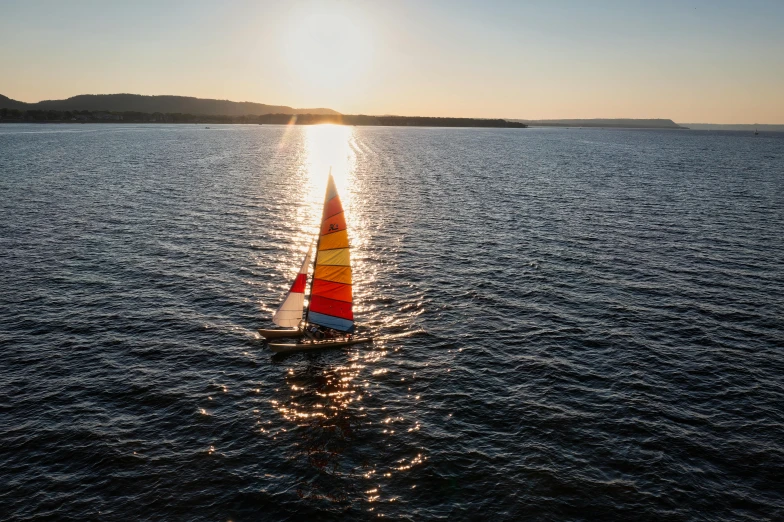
(55, 116)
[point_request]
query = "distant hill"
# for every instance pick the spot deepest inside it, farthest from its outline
(162, 104)
(8, 103)
(623, 123)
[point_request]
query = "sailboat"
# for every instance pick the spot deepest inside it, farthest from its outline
(329, 317)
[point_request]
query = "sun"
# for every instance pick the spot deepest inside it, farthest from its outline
(327, 49)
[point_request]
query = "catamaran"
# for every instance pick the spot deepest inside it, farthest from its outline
(329, 318)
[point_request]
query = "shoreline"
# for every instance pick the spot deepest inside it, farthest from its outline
(456, 123)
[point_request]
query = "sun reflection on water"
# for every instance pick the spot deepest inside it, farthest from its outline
(333, 414)
(319, 407)
(329, 148)
(338, 424)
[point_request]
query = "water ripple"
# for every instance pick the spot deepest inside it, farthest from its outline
(571, 325)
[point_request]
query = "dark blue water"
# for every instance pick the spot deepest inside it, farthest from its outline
(573, 324)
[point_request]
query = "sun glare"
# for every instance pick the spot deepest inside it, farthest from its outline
(329, 148)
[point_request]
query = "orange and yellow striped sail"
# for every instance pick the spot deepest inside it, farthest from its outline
(330, 291)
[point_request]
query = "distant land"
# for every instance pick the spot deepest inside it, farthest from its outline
(735, 127)
(53, 116)
(152, 104)
(137, 108)
(134, 108)
(622, 123)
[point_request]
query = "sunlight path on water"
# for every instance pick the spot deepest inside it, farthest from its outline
(328, 400)
(328, 149)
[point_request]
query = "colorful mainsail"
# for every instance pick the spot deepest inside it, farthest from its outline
(330, 291)
(290, 311)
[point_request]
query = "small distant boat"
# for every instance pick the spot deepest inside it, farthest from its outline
(756, 133)
(206, 127)
(329, 318)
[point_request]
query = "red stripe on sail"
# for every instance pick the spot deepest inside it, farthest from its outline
(325, 306)
(298, 286)
(331, 290)
(332, 207)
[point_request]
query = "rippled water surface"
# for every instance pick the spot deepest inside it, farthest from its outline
(572, 324)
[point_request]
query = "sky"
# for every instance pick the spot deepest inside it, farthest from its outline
(692, 61)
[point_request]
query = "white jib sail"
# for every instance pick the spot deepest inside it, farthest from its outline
(289, 313)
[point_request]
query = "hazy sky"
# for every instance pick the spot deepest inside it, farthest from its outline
(692, 61)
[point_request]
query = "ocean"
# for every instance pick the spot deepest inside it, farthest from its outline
(571, 324)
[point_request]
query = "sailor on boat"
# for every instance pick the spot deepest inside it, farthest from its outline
(315, 332)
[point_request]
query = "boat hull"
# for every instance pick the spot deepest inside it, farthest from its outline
(316, 345)
(280, 333)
